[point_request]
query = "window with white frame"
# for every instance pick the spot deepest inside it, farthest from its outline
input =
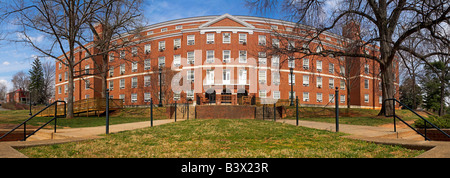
(162, 45)
(319, 97)
(111, 85)
(148, 48)
(291, 62)
(122, 54)
(176, 60)
(161, 61)
(226, 76)
(86, 69)
(134, 66)
(242, 38)
(190, 94)
(319, 66)
(262, 76)
(122, 96)
(163, 29)
(178, 27)
(319, 82)
(209, 76)
(210, 38)
(87, 84)
(331, 98)
(305, 96)
(242, 76)
(226, 38)
(342, 84)
(147, 81)
(190, 75)
(366, 98)
(147, 64)
(133, 97)
(210, 56)
(134, 82)
(242, 56)
(122, 69)
(342, 99)
(60, 65)
(275, 78)
(262, 40)
(59, 89)
(190, 57)
(331, 83)
(262, 93)
(276, 94)
(275, 43)
(177, 43)
(275, 60)
(342, 70)
(134, 51)
(293, 96)
(191, 40)
(147, 97)
(122, 84)
(262, 58)
(66, 88)
(366, 83)
(305, 80)
(59, 77)
(319, 49)
(366, 68)
(331, 68)
(305, 63)
(380, 99)
(226, 54)
(293, 79)
(111, 57)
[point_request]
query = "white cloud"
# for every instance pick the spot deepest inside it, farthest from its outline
(37, 39)
(6, 63)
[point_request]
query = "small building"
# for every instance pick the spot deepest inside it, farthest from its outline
(18, 96)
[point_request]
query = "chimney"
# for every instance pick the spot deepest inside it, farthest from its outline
(352, 30)
(99, 29)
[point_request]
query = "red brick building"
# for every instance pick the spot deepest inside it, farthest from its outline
(221, 59)
(17, 96)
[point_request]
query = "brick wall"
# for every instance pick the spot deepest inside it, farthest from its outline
(225, 112)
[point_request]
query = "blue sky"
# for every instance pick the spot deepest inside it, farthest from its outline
(15, 57)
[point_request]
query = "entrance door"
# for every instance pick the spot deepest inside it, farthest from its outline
(211, 95)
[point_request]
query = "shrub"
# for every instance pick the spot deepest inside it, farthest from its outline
(441, 122)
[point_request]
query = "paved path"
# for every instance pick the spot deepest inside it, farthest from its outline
(382, 135)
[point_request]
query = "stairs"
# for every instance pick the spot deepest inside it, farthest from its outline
(266, 112)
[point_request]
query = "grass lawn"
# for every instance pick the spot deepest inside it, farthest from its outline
(222, 138)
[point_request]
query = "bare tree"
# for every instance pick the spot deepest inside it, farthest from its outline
(49, 79)
(386, 23)
(20, 80)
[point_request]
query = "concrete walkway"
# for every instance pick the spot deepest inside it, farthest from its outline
(381, 135)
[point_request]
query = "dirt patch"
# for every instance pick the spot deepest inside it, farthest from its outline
(398, 124)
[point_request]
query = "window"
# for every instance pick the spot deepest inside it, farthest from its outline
(226, 56)
(319, 97)
(66, 88)
(111, 57)
(163, 29)
(274, 27)
(134, 66)
(209, 76)
(147, 64)
(290, 93)
(293, 79)
(210, 38)
(148, 48)
(190, 75)
(262, 93)
(226, 38)
(86, 96)
(190, 39)
(134, 51)
(366, 84)
(331, 83)
(190, 57)
(291, 45)
(319, 82)
(275, 61)
(161, 61)
(305, 63)
(147, 81)
(60, 65)
(87, 84)
(190, 94)
(331, 68)
(262, 58)
(276, 43)
(150, 33)
(319, 49)
(111, 85)
(147, 97)
(134, 82)
(176, 60)
(262, 40)
(133, 97)
(305, 96)
(59, 89)
(179, 27)
(366, 68)
(66, 76)
(122, 69)
(275, 78)
(242, 76)
(342, 70)
(176, 96)
(162, 45)
(122, 54)
(122, 97)
(242, 38)
(242, 56)
(331, 98)
(262, 76)
(226, 76)
(122, 84)
(276, 94)
(380, 99)
(289, 29)
(342, 99)
(210, 56)
(366, 98)
(291, 62)
(305, 80)
(342, 84)
(176, 43)
(319, 66)
(59, 77)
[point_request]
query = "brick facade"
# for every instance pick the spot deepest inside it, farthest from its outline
(213, 36)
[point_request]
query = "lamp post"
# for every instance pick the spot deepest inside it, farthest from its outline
(292, 87)
(160, 89)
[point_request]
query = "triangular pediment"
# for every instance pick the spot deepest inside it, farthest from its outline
(227, 20)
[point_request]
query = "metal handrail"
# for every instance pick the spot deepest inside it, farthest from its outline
(426, 121)
(24, 123)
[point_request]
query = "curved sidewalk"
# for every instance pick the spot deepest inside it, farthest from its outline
(383, 135)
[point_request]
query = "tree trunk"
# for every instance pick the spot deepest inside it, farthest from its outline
(388, 89)
(441, 108)
(104, 73)
(70, 97)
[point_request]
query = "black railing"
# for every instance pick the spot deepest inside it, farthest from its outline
(425, 120)
(24, 123)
